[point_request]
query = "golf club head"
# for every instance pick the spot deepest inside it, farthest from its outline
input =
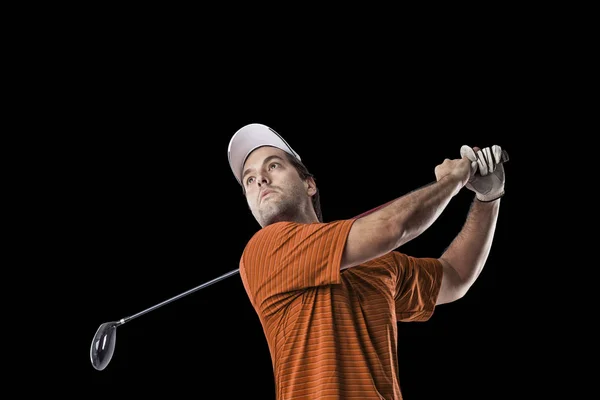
(103, 345)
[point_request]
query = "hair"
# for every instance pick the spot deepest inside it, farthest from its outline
(304, 175)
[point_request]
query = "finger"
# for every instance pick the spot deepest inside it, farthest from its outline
(466, 151)
(497, 150)
(489, 159)
(483, 168)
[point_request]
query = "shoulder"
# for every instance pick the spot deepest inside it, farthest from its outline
(271, 232)
(406, 263)
(283, 232)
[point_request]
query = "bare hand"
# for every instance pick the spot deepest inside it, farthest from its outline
(460, 169)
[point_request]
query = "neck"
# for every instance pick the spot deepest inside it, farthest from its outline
(304, 216)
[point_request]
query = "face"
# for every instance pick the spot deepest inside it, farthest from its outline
(274, 190)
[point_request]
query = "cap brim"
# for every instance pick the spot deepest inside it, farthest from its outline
(249, 138)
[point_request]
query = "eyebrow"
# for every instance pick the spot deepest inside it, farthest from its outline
(265, 161)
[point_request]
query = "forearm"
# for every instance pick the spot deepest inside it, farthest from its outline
(469, 251)
(405, 218)
(379, 231)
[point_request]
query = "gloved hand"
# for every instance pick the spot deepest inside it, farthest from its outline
(487, 178)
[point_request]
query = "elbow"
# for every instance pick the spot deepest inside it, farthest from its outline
(466, 282)
(390, 235)
(455, 285)
(461, 291)
(404, 230)
(452, 293)
(400, 234)
(463, 286)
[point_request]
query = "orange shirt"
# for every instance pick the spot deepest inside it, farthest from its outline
(332, 334)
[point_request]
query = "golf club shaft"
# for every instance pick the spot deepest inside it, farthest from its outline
(127, 319)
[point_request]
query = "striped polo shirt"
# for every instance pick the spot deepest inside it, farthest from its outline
(332, 334)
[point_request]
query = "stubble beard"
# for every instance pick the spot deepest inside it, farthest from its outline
(284, 205)
(275, 210)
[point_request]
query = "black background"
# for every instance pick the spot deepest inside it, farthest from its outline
(148, 208)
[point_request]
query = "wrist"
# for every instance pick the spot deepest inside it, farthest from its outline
(453, 183)
(489, 198)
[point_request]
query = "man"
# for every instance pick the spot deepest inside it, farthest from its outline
(329, 294)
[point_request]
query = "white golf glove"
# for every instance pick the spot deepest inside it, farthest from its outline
(487, 179)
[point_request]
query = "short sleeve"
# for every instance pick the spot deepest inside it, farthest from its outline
(418, 284)
(286, 256)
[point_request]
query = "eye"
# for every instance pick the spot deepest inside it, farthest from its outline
(273, 165)
(249, 180)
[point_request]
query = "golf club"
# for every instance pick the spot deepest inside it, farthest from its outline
(103, 344)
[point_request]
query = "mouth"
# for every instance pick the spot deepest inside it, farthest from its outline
(265, 193)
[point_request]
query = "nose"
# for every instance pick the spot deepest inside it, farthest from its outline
(262, 179)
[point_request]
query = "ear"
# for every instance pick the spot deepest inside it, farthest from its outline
(311, 186)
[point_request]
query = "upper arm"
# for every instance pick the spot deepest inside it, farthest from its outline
(368, 239)
(453, 287)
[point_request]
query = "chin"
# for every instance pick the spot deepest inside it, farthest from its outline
(270, 219)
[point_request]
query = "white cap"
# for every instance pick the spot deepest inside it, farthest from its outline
(247, 139)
